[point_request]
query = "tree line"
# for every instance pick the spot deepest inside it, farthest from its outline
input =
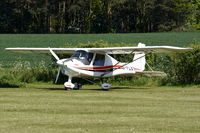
(98, 16)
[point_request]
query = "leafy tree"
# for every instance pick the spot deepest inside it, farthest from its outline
(7, 17)
(171, 14)
(97, 16)
(196, 20)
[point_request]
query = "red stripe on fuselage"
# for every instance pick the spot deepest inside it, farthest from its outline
(104, 68)
(98, 68)
(137, 69)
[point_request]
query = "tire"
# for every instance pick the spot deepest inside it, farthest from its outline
(67, 88)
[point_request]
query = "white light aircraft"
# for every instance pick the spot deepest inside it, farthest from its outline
(97, 62)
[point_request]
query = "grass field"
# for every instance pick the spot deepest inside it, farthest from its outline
(59, 40)
(48, 108)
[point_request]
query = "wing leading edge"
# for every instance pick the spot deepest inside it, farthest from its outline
(146, 49)
(41, 50)
(108, 50)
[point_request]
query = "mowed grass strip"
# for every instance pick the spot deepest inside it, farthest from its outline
(48, 108)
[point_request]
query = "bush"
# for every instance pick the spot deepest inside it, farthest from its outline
(23, 73)
(8, 80)
(186, 67)
(95, 44)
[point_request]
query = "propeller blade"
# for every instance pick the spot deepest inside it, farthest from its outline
(57, 76)
(54, 54)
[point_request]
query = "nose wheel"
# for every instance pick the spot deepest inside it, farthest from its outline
(71, 86)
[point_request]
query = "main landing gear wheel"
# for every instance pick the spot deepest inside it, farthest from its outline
(67, 88)
(105, 86)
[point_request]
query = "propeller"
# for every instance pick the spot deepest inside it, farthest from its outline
(58, 61)
(58, 74)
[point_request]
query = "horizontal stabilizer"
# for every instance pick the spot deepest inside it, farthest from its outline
(152, 73)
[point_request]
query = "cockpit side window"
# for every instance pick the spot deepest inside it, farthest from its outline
(90, 56)
(99, 60)
(83, 56)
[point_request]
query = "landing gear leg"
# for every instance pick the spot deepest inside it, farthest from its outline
(104, 86)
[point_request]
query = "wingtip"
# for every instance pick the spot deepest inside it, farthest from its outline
(8, 49)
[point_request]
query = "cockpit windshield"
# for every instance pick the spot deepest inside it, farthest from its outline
(83, 56)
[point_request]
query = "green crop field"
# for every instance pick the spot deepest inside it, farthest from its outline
(47, 108)
(59, 40)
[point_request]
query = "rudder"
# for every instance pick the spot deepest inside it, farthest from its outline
(139, 60)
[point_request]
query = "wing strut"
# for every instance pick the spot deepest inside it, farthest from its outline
(149, 66)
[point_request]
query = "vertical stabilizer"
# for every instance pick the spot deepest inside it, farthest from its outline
(139, 60)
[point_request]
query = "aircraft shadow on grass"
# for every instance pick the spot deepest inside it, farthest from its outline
(98, 89)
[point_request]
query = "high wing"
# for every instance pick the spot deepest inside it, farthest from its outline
(43, 50)
(108, 50)
(146, 49)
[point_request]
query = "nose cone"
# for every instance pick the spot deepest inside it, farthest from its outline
(60, 62)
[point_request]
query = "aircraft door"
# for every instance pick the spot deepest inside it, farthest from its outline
(99, 60)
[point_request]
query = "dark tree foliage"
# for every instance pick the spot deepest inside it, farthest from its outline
(97, 16)
(186, 73)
